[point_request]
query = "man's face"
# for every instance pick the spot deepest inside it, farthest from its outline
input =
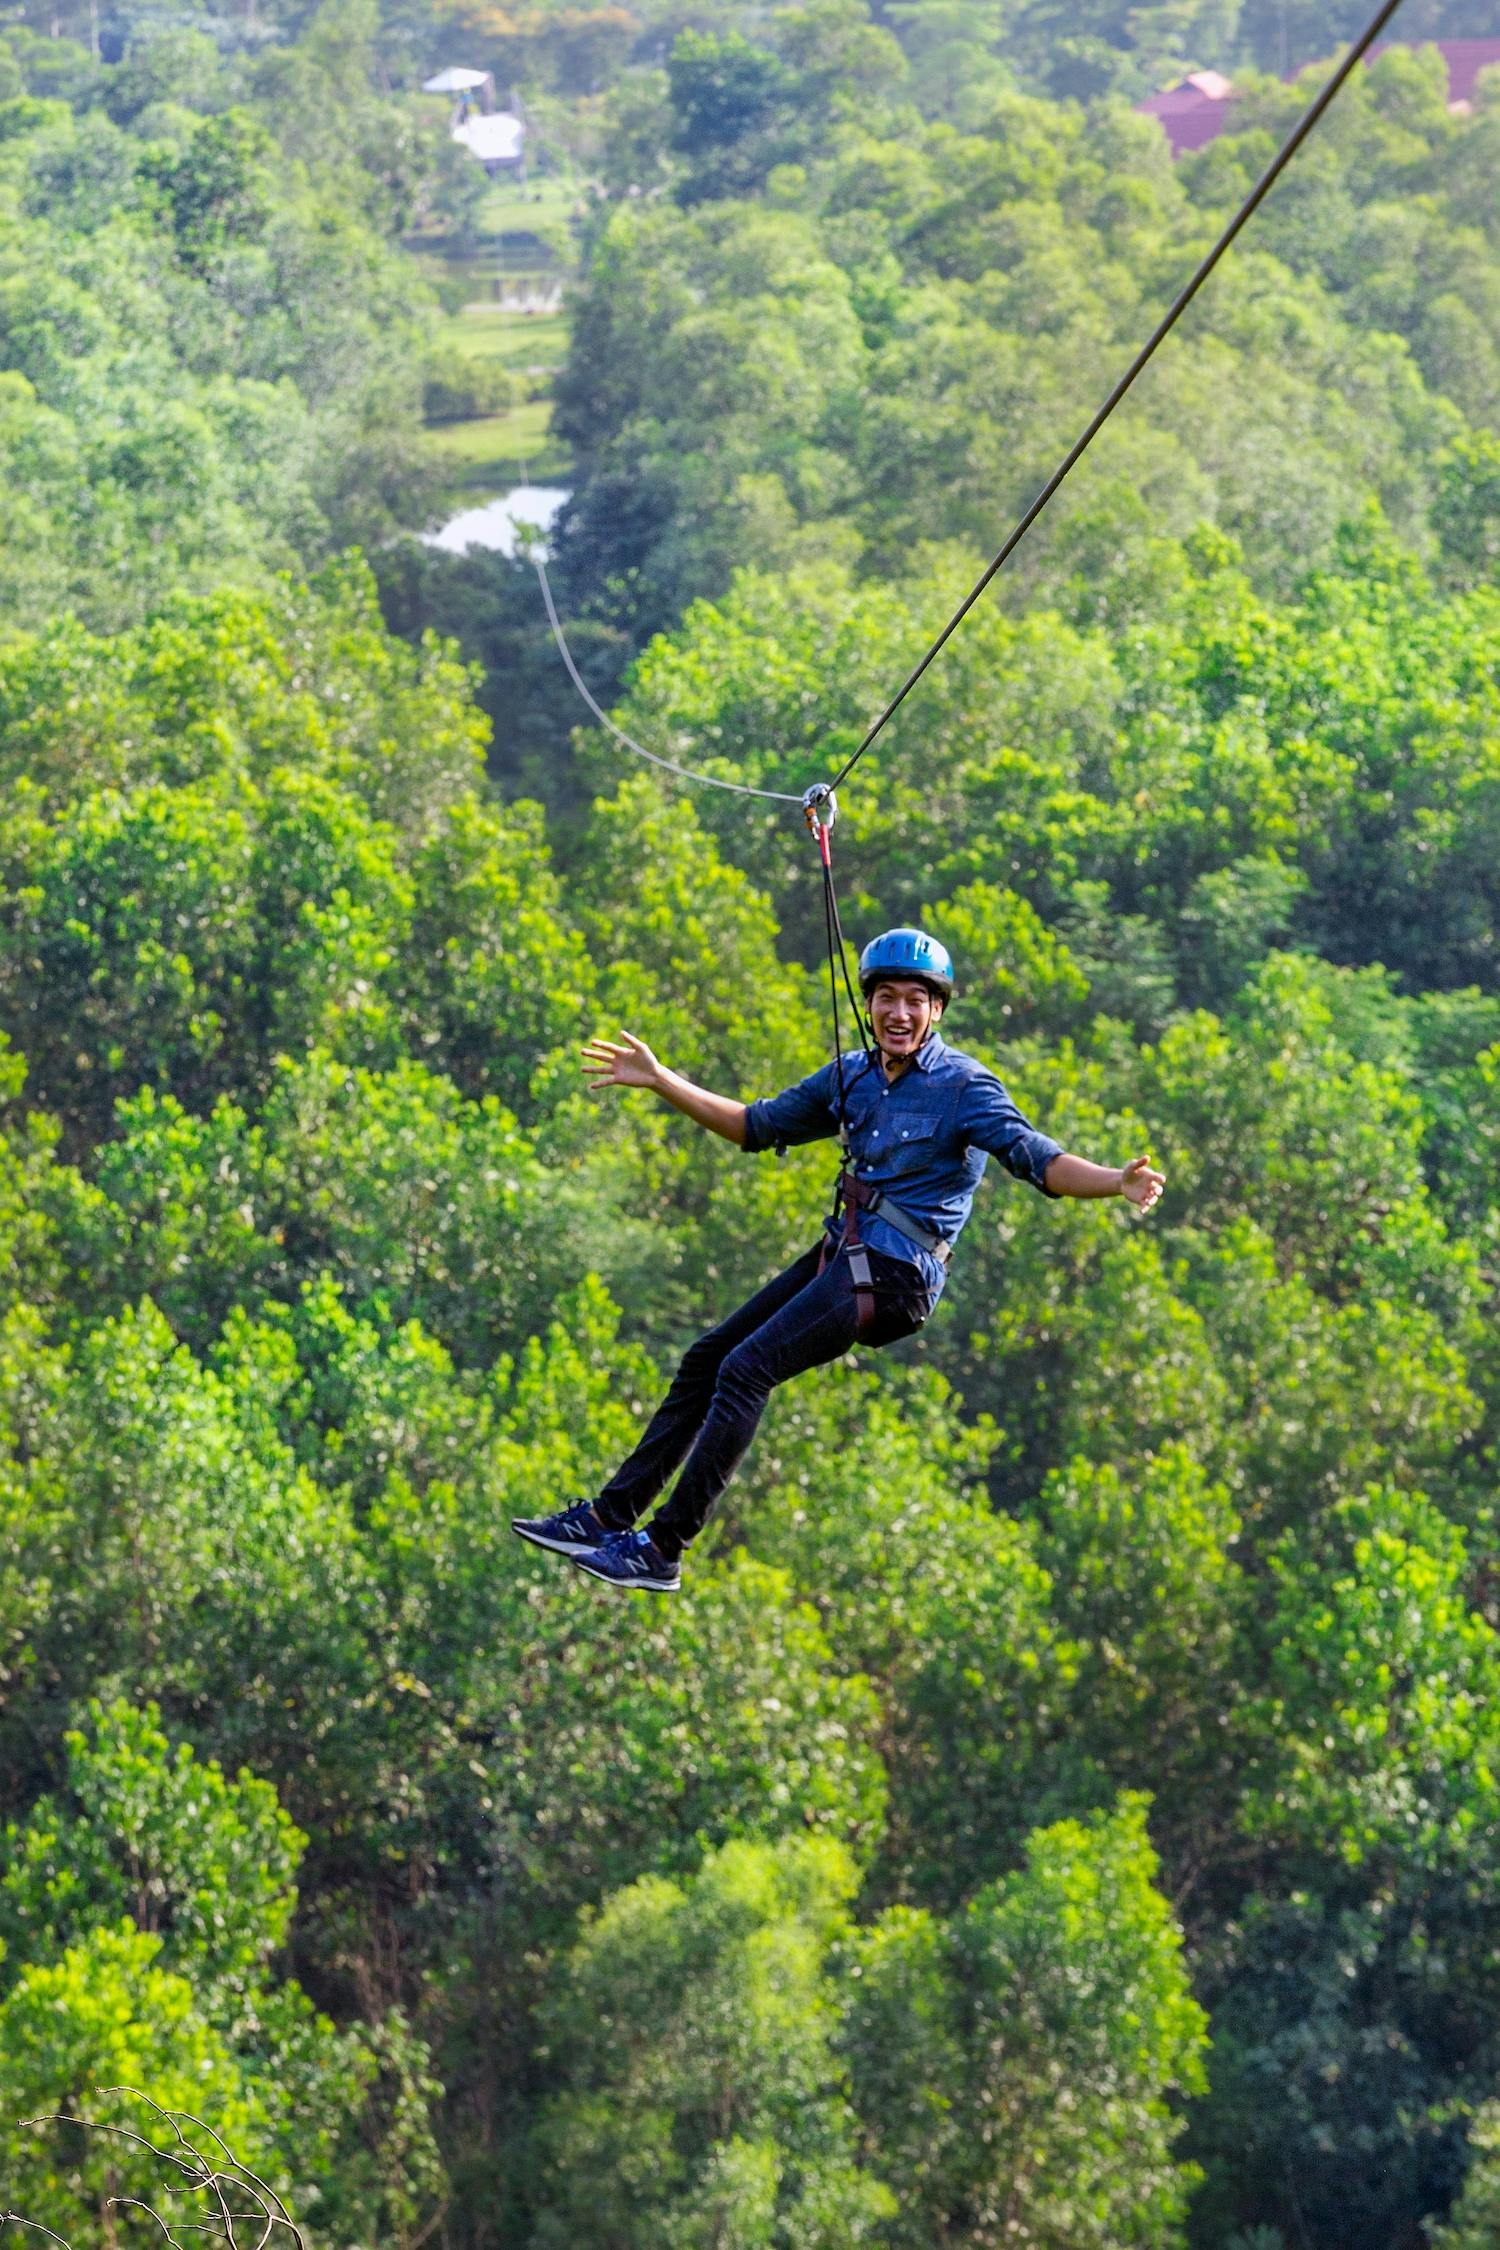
(903, 1011)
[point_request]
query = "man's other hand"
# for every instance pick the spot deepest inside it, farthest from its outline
(605, 1064)
(1141, 1184)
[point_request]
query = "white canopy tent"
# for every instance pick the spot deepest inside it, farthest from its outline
(495, 138)
(455, 81)
(497, 141)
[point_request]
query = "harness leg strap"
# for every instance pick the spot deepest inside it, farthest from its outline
(862, 1278)
(864, 1287)
(859, 1258)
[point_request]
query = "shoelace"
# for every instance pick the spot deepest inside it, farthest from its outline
(631, 1548)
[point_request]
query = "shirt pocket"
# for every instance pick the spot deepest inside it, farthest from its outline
(909, 1142)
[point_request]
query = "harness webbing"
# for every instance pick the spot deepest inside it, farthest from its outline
(831, 932)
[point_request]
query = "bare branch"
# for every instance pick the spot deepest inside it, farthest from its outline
(220, 2184)
(119, 2132)
(275, 2210)
(14, 2219)
(134, 2203)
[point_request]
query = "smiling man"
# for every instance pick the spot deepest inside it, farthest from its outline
(921, 1121)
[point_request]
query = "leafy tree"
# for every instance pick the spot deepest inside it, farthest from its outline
(141, 1909)
(702, 2098)
(106, 2015)
(726, 93)
(1474, 2218)
(1383, 1686)
(200, 1572)
(216, 189)
(1466, 515)
(1347, 2047)
(499, 980)
(232, 687)
(205, 1864)
(946, 1605)
(1144, 1576)
(1048, 2022)
(210, 356)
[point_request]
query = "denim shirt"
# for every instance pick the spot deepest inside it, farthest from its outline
(924, 1140)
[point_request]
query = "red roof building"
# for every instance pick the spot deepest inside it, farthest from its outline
(1465, 58)
(1195, 111)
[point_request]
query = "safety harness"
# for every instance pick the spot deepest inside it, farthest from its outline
(851, 1194)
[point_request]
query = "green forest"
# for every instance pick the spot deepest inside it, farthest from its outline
(1062, 1809)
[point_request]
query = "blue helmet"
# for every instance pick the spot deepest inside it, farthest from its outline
(906, 953)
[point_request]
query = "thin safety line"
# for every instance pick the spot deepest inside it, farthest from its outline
(1164, 327)
(685, 773)
(830, 918)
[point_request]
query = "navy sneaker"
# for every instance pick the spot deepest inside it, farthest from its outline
(572, 1531)
(632, 1561)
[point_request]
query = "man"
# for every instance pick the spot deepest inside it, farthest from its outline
(921, 1120)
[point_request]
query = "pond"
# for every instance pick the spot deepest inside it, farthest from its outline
(495, 524)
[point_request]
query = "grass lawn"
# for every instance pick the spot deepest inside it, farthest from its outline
(514, 227)
(532, 341)
(509, 209)
(488, 455)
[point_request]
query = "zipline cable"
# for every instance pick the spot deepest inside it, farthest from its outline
(1163, 329)
(684, 773)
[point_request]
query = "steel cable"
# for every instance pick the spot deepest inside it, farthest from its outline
(684, 773)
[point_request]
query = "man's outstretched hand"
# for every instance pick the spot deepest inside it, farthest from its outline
(605, 1064)
(1141, 1184)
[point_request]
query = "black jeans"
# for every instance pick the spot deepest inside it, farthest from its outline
(802, 1319)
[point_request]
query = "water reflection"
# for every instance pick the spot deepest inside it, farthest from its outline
(495, 524)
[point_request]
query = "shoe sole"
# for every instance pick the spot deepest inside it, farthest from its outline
(552, 1546)
(629, 1585)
